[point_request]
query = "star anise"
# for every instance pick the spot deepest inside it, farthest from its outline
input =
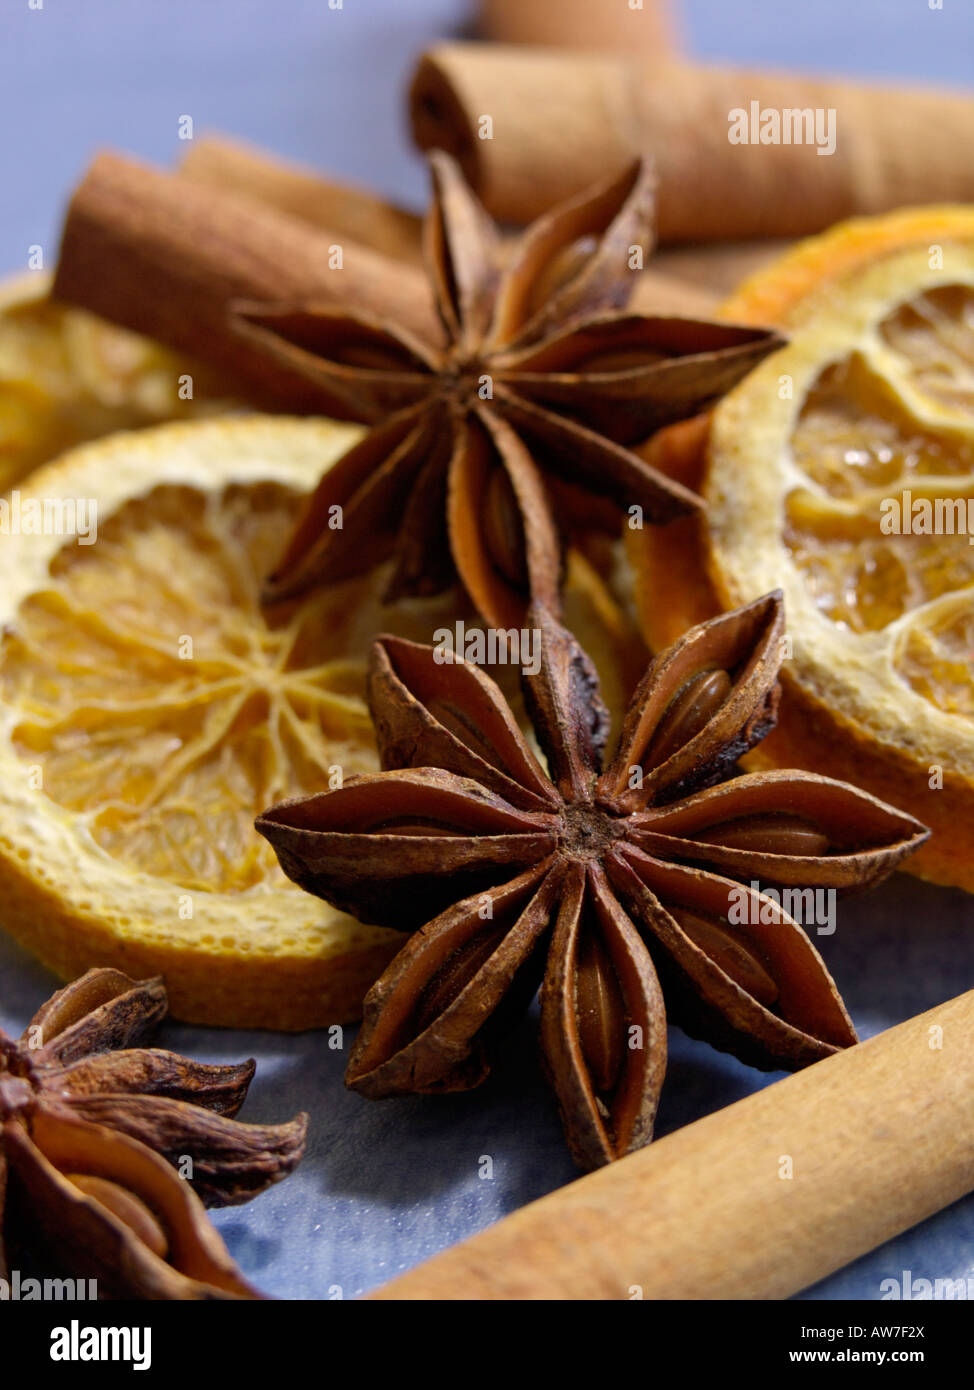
(540, 388)
(617, 886)
(90, 1127)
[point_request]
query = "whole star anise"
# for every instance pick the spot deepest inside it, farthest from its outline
(90, 1128)
(617, 887)
(541, 387)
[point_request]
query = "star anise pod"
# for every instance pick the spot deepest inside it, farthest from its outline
(90, 1127)
(615, 886)
(542, 384)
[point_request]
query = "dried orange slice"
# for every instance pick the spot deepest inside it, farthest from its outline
(822, 473)
(149, 708)
(67, 377)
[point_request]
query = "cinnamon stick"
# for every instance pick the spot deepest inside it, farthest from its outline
(693, 287)
(165, 257)
(340, 210)
(717, 268)
(757, 1201)
(685, 296)
(685, 280)
(587, 24)
(535, 126)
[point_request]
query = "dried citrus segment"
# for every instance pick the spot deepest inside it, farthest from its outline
(901, 449)
(935, 655)
(842, 470)
(852, 435)
(149, 709)
(159, 700)
(67, 377)
(933, 334)
(865, 580)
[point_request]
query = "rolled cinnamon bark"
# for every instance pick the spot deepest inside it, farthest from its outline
(335, 208)
(684, 280)
(165, 257)
(717, 267)
(341, 211)
(659, 293)
(534, 126)
(587, 24)
(756, 1201)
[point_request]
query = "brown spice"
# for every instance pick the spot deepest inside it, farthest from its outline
(164, 256)
(561, 119)
(543, 379)
(343, 212)
(89, 1128)
(613, 886)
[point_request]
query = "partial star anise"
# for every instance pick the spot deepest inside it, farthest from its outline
(609, 885)
(90, 1127)
(541, 387)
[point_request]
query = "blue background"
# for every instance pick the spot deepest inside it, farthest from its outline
(385, 1185)
(327, 85)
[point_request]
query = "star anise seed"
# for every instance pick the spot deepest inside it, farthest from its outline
(613, 886)
(541, 386)
(90, 1127)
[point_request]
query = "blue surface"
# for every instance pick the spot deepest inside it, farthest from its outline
(326, 86)
(385, 1185)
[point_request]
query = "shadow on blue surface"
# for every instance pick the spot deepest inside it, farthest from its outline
(386, 1184)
